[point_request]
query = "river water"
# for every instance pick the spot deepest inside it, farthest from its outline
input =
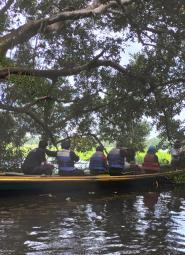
(127, 223)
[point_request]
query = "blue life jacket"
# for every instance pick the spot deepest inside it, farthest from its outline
(65, 162)
(97, 162)
(115, 159)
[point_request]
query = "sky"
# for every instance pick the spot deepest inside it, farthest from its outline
(131, 49)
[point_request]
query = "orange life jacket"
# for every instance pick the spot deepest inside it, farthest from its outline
(150, 163)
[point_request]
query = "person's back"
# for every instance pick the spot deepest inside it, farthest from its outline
(114, 158)
(151, 162)
(35, 162)
(34, 158)
(116, 161)
(98, 162)
(66, 159)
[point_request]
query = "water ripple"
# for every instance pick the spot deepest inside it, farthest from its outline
(147, 223)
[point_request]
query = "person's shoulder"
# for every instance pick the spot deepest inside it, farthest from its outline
(33, 150)
(40, 150)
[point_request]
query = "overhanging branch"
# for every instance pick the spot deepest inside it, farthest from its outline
(30, 29)
(52, 73)
(26, 110)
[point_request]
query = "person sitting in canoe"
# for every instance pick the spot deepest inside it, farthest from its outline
(151, 162)
(130, 155)
(98, 162)
(130, 161)
(66, 159)
(177, 155)
(116, 160)
(35, 162)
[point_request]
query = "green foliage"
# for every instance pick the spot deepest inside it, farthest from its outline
(127, 132)
(82, 144)
(85, 155)
(153, 141)
(11, 137)
(180, 179)
(5, 61)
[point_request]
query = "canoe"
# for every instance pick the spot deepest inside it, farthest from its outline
(18, 182)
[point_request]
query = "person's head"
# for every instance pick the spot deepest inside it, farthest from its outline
(151, 149)
(177, 144)
(119, 145)
(43, 144)
(130, 154)
(66, 144)
(99, 148)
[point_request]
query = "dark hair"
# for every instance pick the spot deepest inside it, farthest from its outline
(65, 144)
(100, 148)
(119, 145)
(177, 144)
(43, 144)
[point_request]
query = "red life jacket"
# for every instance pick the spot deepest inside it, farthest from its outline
(150, 163)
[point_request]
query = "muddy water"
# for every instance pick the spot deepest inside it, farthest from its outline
(132, 223)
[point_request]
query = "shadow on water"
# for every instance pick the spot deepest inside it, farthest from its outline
(144, 222)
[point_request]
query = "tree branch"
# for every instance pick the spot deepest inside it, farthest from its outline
(44, 98)
(30, 29)
(95, 63)
(97, 140)
(26, 110)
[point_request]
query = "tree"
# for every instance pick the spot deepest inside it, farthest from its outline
(61, 65)
(11, 137)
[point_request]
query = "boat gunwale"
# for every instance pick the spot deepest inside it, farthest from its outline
(97, 178)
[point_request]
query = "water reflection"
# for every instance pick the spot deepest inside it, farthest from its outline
(135, 223)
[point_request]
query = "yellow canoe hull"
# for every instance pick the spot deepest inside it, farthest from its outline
(89, 178)
(30, 182)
